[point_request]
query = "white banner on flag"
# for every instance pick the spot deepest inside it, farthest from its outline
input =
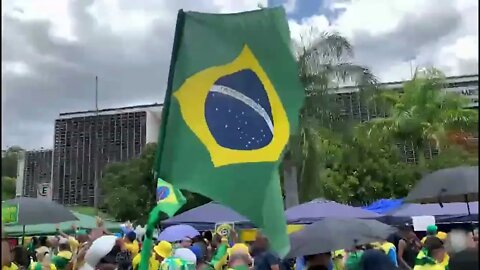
(44, 191)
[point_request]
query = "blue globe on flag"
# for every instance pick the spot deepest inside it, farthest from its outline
(162, 192)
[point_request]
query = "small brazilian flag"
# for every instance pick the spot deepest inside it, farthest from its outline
(169, 199)
(232, 101)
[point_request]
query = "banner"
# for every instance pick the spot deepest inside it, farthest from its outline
(9, 213)
(44, 191)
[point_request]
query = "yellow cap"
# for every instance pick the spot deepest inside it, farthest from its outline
(164, 249)
(442, 236)
(239, 248)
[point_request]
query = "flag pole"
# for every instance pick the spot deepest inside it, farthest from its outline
(154, 216)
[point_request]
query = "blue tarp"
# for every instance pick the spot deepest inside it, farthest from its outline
(383, 206)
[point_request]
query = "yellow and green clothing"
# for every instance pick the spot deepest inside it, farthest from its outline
(174, 263)
(38, 266)
(133, 247)
(425, 262)
(389, 249)
(153, 263)
(11, 267)
(62, 259)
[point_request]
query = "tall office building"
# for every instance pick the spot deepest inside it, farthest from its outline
(355, 108)
(33, 168)
(85, 142)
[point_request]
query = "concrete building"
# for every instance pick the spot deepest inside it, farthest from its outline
(354, 107)
(86, 141)
(33, 168)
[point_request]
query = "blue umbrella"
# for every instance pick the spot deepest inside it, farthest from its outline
(319, 209)
(177, 233)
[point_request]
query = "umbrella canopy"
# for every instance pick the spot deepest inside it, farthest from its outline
(32, 211)
(206, 216)
(336, 233)
(177, 233)
(319, 209)
(84, 222)
(459, 184)
(450, 212)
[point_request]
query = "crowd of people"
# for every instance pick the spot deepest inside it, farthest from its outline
(99, 249)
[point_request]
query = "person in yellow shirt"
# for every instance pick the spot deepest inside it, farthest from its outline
(432, 256)
(43, 260)
(131, 243)
(161, 251)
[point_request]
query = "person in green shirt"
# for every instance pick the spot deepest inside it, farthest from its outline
(352, 261)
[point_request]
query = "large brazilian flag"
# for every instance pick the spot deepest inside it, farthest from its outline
(232, 102)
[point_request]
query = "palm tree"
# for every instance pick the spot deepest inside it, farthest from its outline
(424, 113)
(325, 63)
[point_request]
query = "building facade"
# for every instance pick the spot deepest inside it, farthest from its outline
(85, 142)
(33, 168)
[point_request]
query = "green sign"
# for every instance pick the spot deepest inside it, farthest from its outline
(9, 213)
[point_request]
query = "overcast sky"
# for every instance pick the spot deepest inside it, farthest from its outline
(52, 49)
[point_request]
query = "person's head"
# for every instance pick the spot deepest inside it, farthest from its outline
(82, 236)
(162, 250)
(261, 241)
(6, 255)
(208, 236)
(34, 242)
(407, 232)
(63, 244)
(458, 240)
(435, 248)
(52, 242)
(322, 259)
(186, 242)
(240, 259)
(41, 252)
(130, 237)
(20, 256)
(43, 241)
(432, 230)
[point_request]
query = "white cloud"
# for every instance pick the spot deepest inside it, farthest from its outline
(366, 21)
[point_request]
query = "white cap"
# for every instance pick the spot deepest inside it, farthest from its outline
(185, 254)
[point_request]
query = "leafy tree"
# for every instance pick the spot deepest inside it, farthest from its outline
(8, 188)
(325, 62)
(129, 188)
(424, 114)
(9, 161)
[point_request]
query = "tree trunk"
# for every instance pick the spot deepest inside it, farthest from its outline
(290, 184)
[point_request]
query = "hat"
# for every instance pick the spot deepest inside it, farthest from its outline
(163, 249)
(186, 255)
(442, 235)
(239, 248)
(131, 235)
(432, 229)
